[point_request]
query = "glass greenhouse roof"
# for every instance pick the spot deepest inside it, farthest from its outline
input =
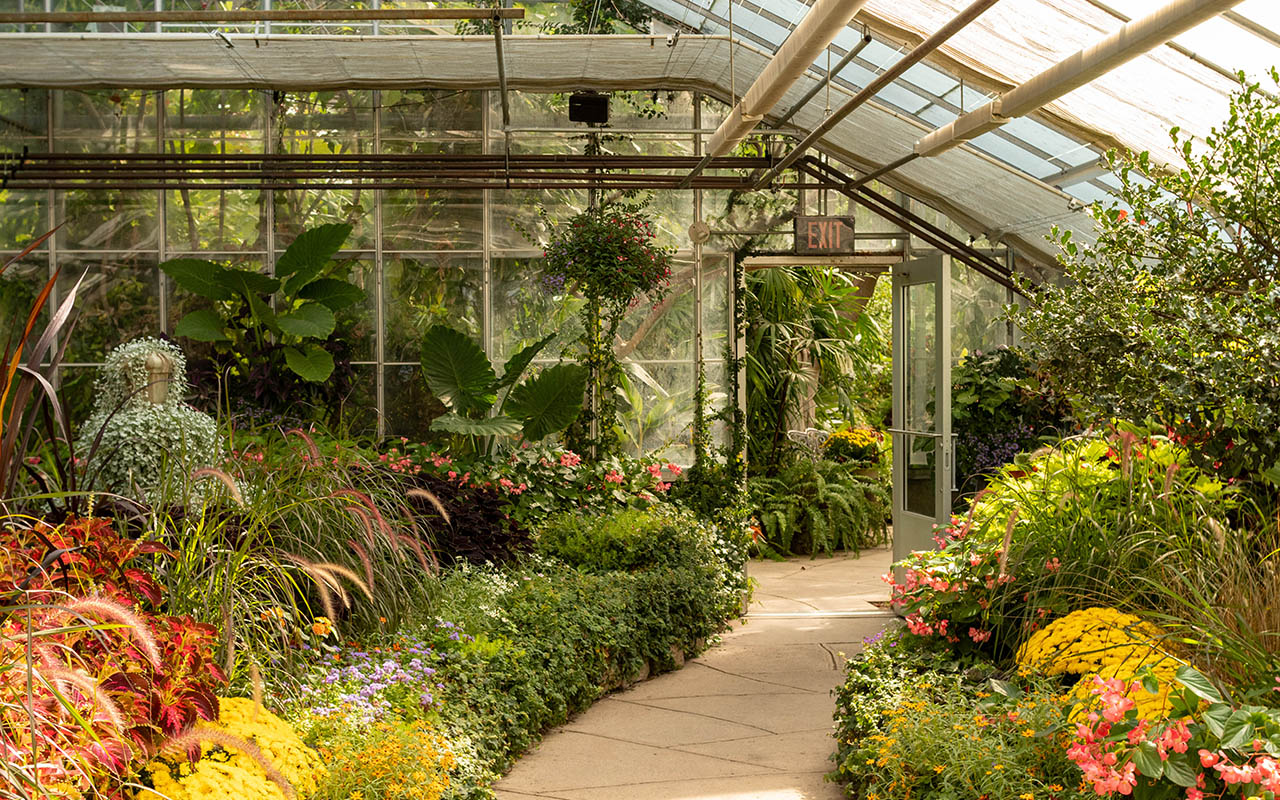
(1010, 185)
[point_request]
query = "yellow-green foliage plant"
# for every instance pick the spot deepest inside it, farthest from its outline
(248, 754)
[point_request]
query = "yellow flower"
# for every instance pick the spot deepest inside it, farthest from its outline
(322, 626)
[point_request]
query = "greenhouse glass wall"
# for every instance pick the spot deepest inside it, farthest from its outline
(465, 257)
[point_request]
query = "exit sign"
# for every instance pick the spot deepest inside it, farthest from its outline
(824, 236)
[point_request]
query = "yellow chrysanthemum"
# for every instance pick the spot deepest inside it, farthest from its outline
(223, 773)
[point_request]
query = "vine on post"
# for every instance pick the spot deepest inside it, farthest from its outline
(609, 255)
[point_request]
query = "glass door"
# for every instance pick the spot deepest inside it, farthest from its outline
(923, 452)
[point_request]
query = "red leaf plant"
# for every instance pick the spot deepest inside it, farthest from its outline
(111, 679)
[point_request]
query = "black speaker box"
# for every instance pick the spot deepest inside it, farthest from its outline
(592, 108)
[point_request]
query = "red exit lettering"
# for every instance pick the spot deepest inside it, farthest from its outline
(825, 234)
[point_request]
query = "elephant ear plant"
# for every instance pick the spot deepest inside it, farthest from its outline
(291, 311)
(484, 406)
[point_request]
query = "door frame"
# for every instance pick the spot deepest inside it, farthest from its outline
(912, 530)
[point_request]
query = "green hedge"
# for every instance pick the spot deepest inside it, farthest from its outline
(552, 637)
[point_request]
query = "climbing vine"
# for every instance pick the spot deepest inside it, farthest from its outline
(608, 254)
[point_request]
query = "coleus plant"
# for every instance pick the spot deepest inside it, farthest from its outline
(114, 680)
(293, 307)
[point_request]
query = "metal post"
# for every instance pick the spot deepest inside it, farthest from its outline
(379, 283)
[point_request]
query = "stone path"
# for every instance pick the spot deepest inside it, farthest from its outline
(748, 720)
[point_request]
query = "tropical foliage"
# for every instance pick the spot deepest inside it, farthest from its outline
(262, 325)
(484, 406)
(807, 340)
(819, 506)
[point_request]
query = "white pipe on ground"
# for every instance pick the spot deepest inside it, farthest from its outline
(1131, 41)
(814, 34)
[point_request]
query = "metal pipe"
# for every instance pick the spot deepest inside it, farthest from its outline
(882, 171)
(1070, 175)
(1133, 39)
(793, 58)
(826, 79)
(882, 80)
(285, 15)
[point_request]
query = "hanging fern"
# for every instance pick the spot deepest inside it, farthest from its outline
(820, 506)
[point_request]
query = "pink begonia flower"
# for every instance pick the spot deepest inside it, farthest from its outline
(570, 459)
(674, 469)
(655, 470)
(613, 476)
(661, 487)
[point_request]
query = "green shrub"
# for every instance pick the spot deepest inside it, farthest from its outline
(556, 638)
(820, 506)
(915, 724)
(629, 540)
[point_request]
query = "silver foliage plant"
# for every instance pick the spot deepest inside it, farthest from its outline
(145, 445)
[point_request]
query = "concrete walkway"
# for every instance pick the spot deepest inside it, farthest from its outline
(748, 720)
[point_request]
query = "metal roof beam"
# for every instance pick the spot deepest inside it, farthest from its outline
(881, 81)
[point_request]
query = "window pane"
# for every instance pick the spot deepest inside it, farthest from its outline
(425, 290)
(118, 301)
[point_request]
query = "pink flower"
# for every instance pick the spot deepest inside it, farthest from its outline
(1052, 565)
(570, 459)
(1207, 759)
(979, 636)
(674, 469)
(613, 476)
(661, 487)
(655, 470)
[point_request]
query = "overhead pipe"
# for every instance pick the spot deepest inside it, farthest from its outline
(1132, 40)
(882, 80)
(802, 47)
(827, 78)
(814, 34)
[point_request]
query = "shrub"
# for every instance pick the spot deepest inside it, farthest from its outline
(1001, 405)
(913, 725)
(630, 540)
(1082, 524)
(1170, 314)
(467, 521)
(812, 507)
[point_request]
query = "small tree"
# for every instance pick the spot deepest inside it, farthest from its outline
(1174, 313)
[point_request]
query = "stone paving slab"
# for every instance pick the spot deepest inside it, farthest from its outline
(748, 720)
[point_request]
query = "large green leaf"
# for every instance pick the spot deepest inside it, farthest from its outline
(1199, 684)
(262, 313)
(500, 425)
(309, 320)
(203, 326)
(309, 253)
(200, 277)
(335, 293)
(550, 401)
(311, 362)
(247, 282)
(457, 370)
(517, 364)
